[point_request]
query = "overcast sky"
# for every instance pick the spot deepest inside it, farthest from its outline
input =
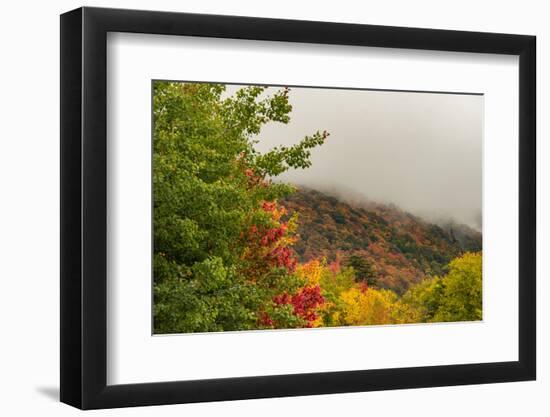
(420, 151)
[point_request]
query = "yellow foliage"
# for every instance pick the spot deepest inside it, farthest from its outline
(311, 272)
(364, 307)
(318, 322)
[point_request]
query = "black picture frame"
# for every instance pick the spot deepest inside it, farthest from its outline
(84, 207)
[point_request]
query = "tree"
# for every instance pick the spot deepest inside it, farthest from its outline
(363, 269)
(215, 204)
(420, 303)
(462, 294)
(362, 306)
(455, 297)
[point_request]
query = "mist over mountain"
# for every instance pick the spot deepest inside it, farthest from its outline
(420, 151)
(351, 196)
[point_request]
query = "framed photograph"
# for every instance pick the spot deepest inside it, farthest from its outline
(256, 208)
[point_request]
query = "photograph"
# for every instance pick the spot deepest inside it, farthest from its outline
(291, 207)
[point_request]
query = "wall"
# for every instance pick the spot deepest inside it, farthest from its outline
(29, 211)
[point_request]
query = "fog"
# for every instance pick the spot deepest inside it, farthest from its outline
(419, 151)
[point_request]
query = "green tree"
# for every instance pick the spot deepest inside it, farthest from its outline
(420, 303)
(209, 184)
(363, 269)
(462, 295)
(455, 297)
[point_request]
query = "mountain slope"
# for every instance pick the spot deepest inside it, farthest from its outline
(397, 247)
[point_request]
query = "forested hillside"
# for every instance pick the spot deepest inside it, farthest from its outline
(391, 247)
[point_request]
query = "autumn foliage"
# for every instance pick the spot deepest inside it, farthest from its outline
(236, 250)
